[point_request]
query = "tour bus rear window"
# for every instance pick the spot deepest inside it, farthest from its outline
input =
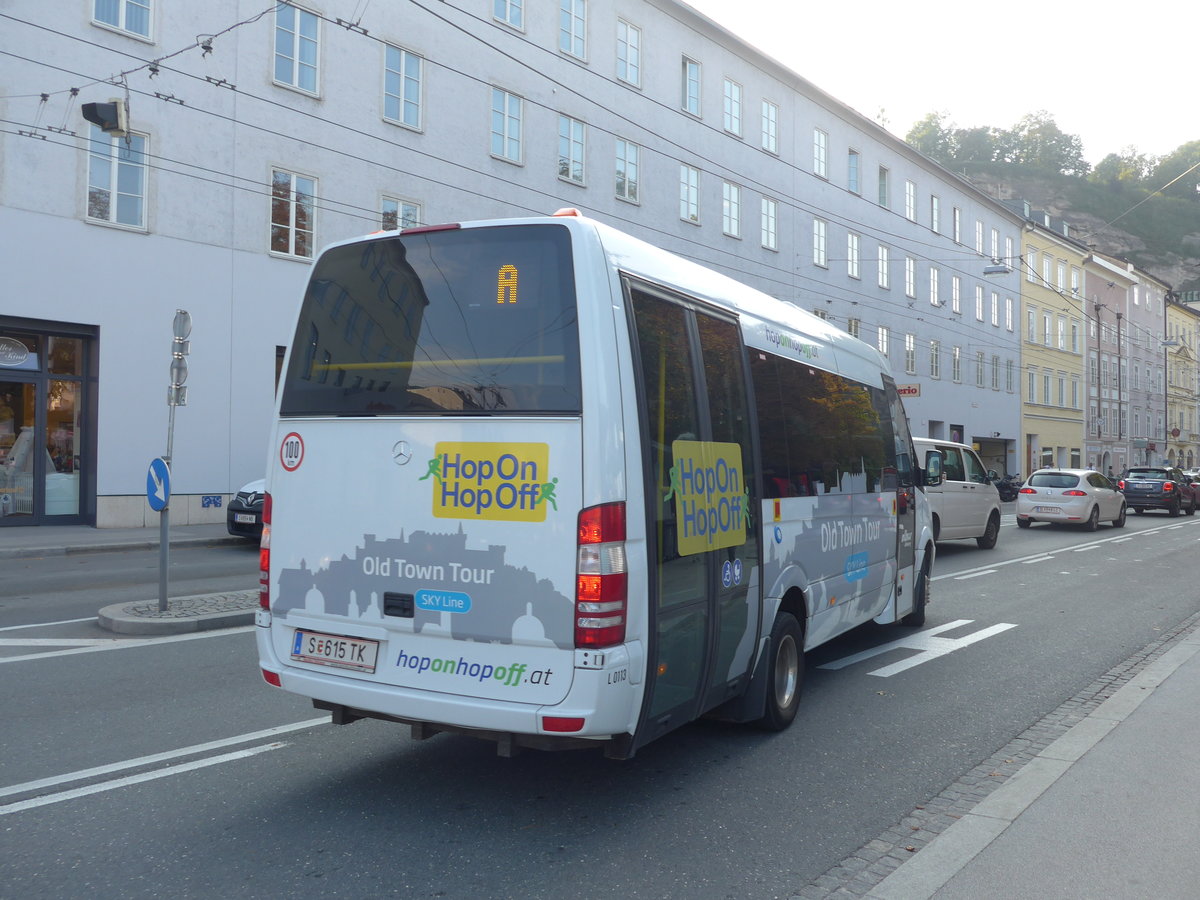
(456, 322)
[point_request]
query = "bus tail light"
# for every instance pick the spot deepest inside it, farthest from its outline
(264, 556)
(601, 587)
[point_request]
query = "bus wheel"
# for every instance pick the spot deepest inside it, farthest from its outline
(916, 618)
(786, 673)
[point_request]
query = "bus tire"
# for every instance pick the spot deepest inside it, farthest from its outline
(916, 618)
(785, 673)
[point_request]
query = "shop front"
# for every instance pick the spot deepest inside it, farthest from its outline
(47, 423)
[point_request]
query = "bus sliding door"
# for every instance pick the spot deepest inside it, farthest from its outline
(701, 486)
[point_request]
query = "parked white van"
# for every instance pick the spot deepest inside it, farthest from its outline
(966, 504)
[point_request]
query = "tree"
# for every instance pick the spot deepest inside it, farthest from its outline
(1042, 145)
(1178, 173)
(1125, 168)
(933, 137)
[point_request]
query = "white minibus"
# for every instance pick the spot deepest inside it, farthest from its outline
(537, 481)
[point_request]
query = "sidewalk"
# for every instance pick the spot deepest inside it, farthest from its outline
(1111, 809)
(183, 614)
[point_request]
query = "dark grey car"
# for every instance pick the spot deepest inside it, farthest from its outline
(1158, 487)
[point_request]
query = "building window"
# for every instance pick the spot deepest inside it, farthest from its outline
(572, 27)
(400, 214)
(689, 194)
(1031, 325)
(935, 359)
(1008, 313)
(292, 201)
(127, 15)
(296, 48)
(995, 310)
(910, 277)
(821, 314)
(691, 86)
(1074, 335)
(1062, 333)
(570, 149)
(978, 303)
(956, 365)
(885, 188)
(1009, 375)
(1031, 386)
(627, 170)
(1031, 265)
(956, 225)
(979, 368)
(978, 237)
(820, 234)
(934, 276)
(995, 244)
(935, 215)
(956, 294)
(885, 262)
(402, 87)
(770, 223)
(506, 125)
(1046, 329)
(910, 354)
(854, 327)
(731, 209)
(629, 53)
(770, 127)
(733, 107)
(820, 153)
(910, 201)
(852, 245)
(995, 372)
(1045, 388)
(883, 339)
(510, 12)
(852, 165)
(117, 179)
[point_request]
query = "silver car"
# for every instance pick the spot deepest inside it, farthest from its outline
(1076, 496)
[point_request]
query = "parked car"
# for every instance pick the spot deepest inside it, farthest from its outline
(1077, 496)
(244, 514)
(966, 504)
(1158, 487)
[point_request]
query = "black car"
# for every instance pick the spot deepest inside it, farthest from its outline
(1158, 487)
(244, 516)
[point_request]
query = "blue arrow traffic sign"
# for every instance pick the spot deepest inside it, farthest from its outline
(158, 484)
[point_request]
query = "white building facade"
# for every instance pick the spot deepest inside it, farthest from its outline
(258, 134)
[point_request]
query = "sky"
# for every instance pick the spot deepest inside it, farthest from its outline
(1117, 74)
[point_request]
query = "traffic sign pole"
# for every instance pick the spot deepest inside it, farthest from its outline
(181, 328)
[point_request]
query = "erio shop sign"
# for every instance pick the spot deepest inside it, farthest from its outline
(12, 352)
(908, 390)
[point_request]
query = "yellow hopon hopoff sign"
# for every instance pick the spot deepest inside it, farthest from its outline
(708, 487)
(499, 481)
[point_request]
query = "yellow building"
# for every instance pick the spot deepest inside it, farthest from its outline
(1052, 348)
(1182, 437)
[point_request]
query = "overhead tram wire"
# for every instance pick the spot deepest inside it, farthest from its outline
(791, 280)
(715, 170)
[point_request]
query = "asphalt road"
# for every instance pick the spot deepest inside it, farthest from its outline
(112, 783)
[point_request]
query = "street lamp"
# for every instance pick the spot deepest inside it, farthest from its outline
(1166, 344)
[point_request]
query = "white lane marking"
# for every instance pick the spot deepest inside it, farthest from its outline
(1043, 555)
(55, 642)
(122, 644)
(1085, 549)
(974, 574)
(47, 624)
(927, 642)
(136, 779)
(159, 757)
(1036, 559)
